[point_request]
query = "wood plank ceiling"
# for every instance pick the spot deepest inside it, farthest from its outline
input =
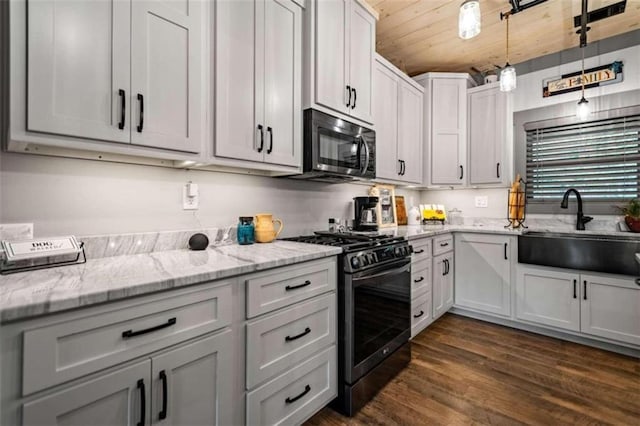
(422, 35)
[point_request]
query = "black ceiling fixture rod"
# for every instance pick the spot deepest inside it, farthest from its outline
(516, 7)
(583, 24)
(602, 13)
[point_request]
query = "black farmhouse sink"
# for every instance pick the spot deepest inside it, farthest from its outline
(598, 253)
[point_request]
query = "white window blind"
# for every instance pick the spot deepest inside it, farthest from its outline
(601, 159)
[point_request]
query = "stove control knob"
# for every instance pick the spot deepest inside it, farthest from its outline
(372, 258)
(398, 252)
(364, 260)
(355, 263)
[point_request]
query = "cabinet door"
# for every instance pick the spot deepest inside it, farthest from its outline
(362, 46)
(548, 297)
(487, 122)
(332, 50)
(237, 99)
(166, 75)
(112, 399)
(282, 81)
(448, 134)
(610, 307)
(483, 273)
(77, 67)
(196, 378)
(410, 132)
(443, 268)
(385, 102)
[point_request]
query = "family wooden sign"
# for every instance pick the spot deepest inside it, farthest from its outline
(593, 77)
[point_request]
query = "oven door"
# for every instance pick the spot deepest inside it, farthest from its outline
(379, 301)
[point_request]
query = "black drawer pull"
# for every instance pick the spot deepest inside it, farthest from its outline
(261, 137)
(297, 336)
(143, 403)
(131, 333)
(163, 413)
(294, 287)
(307, 389)
(461, 172)
(444, 244)
(123, 103)
(505, 251)
(575, 293)
(419, 315)
(498, 170)
(270, 131)
(141, 122)
(419, 251)
(419, 280)
(585, 289)
(349, 93)
(355, 96)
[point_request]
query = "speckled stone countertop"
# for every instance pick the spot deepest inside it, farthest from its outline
(29, 294)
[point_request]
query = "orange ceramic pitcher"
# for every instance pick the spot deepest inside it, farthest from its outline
(265, 232)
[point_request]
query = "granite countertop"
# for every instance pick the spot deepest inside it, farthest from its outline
(28, 294)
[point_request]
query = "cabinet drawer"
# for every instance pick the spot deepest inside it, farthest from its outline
(442, 244)
(420, 313)
(268, 291)
(280, 340)
(421, 249)
(67, 350)
(420, 277)
(296, 395)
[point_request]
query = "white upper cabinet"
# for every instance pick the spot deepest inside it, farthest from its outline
(488, 121)
(116, 71)
(165, 74)
(258, 79)
(78, 69)
(397, 103)
(445, 128)
(340, 57)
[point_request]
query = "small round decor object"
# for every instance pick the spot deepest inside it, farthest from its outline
(198, 242)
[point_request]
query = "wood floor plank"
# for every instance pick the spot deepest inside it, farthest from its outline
(464, 371)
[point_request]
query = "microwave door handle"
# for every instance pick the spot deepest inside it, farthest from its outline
(367, 155)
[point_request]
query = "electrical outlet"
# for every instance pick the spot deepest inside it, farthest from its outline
(16, 231)
(482, 202)
(190, 197)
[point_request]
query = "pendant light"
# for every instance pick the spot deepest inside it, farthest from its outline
(469, 19)
(583, 110)
(508, 73)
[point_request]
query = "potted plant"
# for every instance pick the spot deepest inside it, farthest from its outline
(631, 212)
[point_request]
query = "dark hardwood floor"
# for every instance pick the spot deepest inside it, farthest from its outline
(465, 371)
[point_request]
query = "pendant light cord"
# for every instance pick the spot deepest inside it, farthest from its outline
(582, 77)
(508, 38)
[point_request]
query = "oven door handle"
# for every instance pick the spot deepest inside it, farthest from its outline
(391, 272)
(367, 155)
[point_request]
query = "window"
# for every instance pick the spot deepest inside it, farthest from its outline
(601, 158)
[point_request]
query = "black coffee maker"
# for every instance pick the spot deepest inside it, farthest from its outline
(366, 214)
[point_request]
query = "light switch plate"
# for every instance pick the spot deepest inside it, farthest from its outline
(482, 202)
(189, 203)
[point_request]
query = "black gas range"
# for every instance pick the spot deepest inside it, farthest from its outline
(374, 308)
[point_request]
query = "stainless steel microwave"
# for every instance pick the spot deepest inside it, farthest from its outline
(335, 149)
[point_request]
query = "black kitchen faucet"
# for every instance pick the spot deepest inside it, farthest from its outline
(582, 219)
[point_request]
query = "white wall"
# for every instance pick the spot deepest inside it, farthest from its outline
(528, 95)
(81, 197)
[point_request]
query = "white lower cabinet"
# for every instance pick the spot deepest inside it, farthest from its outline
(548, 297)
(443, 269)
(610, 307)
(421, 313)
(421, 285)
(483, 277)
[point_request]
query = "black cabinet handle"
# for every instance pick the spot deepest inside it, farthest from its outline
(461, 172)
(498, 170)
(270, 131)
(444, 263)
(261, 137)
(123, 101)
(419, 315)
(400, 172)
(419, 280)
(404, 167)
(297, 336)
(355, 96)
(143, 402)
(306, 390)
(505, 251)
(294, 287)
(130, 333)
(163, 413)
(418, 251)
(585, 289)
(141, 122)
(444, 244)
(349, 93)
(575, 292)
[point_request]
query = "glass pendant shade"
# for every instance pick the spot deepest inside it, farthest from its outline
(507, 78)
(469, 19)
(583, 110)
